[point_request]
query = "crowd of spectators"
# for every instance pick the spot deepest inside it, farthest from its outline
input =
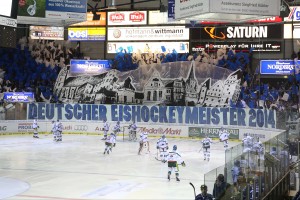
(34, 65)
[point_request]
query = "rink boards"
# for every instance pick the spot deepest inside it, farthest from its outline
(170, 130)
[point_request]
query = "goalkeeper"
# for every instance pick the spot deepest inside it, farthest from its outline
(173, 159)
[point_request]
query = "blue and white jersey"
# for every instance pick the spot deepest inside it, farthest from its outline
(162, 143)
(35, 124)
(223, 135)
(144, 137)
(248, 142)
(117, 128)
(59, 126)
(54, 127)
(133, 127)
(206, 142)
(106, 126)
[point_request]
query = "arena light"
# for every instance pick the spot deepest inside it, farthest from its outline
(226, 11)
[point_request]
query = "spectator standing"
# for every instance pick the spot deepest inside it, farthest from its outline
(204, 195)
(219, 187)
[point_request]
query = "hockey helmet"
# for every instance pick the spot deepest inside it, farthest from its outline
(53, 121)
(58, 120)
(163, 136)
(175, 147)
(118, 122)
(203, 187)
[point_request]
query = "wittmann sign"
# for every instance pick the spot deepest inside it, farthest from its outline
(237, 32)
(265, 46)
(127, 18)
(147, 33)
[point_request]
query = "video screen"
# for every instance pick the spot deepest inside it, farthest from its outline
(5, 8)
(46, 32)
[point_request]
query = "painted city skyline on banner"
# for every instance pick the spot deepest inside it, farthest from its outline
(186, 83)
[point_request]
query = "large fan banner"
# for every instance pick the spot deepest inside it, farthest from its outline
(184, 115)
(178, 84)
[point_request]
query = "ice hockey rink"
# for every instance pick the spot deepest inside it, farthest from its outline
(76, 168)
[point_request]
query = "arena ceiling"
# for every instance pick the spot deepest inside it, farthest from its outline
(113, 5)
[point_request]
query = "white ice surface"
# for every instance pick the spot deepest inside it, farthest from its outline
(77, 169)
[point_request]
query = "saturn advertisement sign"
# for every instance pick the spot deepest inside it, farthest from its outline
(237, 32)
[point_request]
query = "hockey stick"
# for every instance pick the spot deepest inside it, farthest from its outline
(193, 188)
(157, 155)
(200, 150)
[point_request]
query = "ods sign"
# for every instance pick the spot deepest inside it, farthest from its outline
(77, 34)
(86, 34)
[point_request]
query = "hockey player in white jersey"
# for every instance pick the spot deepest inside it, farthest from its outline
(105, 129)
(132, 131)
(144, 142)
(110, 142)
(59, 130)
(174, 158)
(35, 129)
(54, 131)
(247, 143)
(162, 146)
(117, 128)
(258, 149)
(206, 142)
(224, 137)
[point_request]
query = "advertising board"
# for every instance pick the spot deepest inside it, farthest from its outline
(277, 67)
(92, 67)
(86, 34)
(46, 32)
(127, 18)
(158, 47)
(258, 46)
(147, 33)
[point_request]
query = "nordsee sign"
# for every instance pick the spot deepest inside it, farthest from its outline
(277, 67)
